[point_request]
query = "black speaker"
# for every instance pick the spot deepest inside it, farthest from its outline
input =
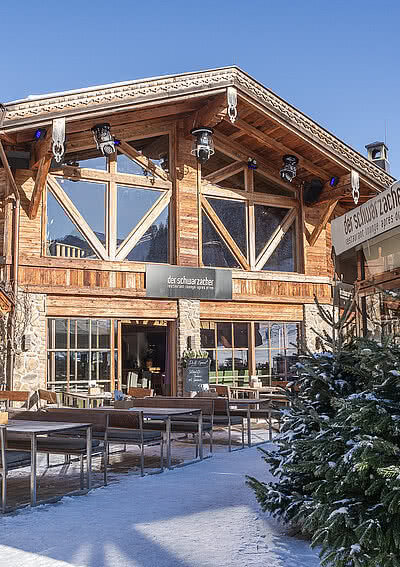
(312, 190)
(18, 160)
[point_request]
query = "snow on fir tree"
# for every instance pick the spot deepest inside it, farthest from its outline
(337, 459)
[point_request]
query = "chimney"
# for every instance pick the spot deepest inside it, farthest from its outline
(378, 154)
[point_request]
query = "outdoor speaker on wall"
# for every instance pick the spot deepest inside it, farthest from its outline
(18, 160)
(312, 190)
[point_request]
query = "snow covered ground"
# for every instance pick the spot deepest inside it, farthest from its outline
(202, 515)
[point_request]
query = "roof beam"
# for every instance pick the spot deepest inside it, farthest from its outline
(272, 143)
(328, 194)
(212, 113)
(225, 172)
(325, 152)
(8, 139)
(326, 215)
(40, 184)
(235, 151)
(42, 160)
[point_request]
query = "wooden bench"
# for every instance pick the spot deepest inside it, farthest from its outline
(184, 424)
(123, 427)
(67, 444)
(11, 396)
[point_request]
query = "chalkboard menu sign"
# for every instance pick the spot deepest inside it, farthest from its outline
(196, 374)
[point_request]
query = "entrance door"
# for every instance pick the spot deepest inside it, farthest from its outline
(144, 347)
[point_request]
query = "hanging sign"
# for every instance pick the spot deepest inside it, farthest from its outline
(190, 283)
(370, 219)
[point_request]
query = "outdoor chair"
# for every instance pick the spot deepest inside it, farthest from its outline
(123, 428)
(223, 391)
(68, 443)
(132, 380)
(140, 392)
(46, 399)
(8, 397)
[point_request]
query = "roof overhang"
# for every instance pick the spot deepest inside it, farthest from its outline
(100, 101)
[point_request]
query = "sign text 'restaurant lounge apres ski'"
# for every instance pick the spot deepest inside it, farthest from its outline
(374, 217)
(191, 283)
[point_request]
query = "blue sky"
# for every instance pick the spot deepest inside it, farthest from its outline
(337, 61)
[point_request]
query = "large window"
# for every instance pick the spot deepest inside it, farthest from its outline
(227, 345)
(115, 209)
(250, 225)
(81, 351)
(233, 357)
(276, 350)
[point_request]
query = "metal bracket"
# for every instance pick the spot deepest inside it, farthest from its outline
(58, 145)
(355, 185)
(231, 95)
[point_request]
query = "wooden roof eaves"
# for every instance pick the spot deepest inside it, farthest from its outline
(74, 105)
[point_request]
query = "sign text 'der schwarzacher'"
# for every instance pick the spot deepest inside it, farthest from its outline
(193, 283)
(374, 217)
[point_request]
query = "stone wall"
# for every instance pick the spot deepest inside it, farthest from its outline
(30, 365)
(188, 326)
(314, 325)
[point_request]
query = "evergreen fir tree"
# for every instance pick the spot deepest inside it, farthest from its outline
(337, 459)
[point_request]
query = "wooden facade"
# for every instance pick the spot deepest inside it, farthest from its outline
(152, 119)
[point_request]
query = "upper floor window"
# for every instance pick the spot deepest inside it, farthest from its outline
(250, 227)
(115, 209)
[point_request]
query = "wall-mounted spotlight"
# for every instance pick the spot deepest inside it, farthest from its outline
(288, 171)
(203, 144)
(333, 181)
(103, 138)
(252, 163)
(40, 134)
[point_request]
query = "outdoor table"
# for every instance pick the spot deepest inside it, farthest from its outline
(166, 414)
(91, 401)
(249, 403)
(35, 428)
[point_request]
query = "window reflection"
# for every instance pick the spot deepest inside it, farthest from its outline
(86, 358)
(215, 251)
(233, 216)
(153, 246)
(283, 257)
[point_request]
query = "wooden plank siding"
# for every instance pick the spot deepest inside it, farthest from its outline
(217, 310)
(86, 306)
(30, 233)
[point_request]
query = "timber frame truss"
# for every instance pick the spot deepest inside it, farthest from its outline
(209, 188)
(156, 179)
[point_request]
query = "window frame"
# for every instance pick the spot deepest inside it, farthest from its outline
(71, 352)
(252, 198)
(111, 178)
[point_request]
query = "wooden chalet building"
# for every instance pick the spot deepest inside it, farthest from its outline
(105, 245)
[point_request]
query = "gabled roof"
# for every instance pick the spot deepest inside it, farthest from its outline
(98, 101)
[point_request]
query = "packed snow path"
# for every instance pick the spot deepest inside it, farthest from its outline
(202, 515)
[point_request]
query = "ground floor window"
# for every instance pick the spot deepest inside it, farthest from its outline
(238, 350)
(81, 352)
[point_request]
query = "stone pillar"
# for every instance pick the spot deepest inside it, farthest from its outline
(30, 365)
(314, 325)
(188, 327)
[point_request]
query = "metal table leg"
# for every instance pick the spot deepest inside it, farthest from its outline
(89, 456)
(200, 422)
(33, 468)
(168, 432)
(248, 426)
